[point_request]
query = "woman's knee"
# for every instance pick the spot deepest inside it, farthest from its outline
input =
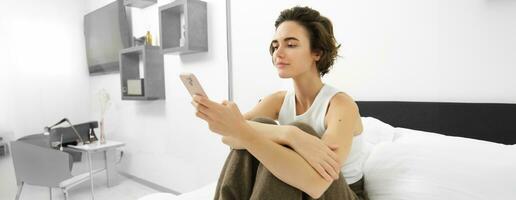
(305, 127)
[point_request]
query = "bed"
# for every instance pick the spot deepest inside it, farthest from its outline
(492, 122)
(431, 150)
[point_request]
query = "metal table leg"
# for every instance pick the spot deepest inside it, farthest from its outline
(108, 169)
(91, 175)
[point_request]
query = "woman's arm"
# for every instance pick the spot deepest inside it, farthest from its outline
(289, 166)
(267, 107)
(277, 133)
(284, 163)
(319, 155)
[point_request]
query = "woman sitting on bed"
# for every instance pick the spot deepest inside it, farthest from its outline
(315, 152)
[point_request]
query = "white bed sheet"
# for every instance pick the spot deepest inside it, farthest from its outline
(206, 192)
(427, 166)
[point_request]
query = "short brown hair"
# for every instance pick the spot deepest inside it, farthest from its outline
(320, 33)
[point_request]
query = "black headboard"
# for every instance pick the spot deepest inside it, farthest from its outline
(485, 121)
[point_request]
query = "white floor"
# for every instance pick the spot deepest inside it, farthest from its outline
(124, 189)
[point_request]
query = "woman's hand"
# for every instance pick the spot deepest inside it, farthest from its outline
(318, 154)
(232, 142)
(224, 119)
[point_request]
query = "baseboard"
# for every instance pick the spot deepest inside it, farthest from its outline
(149, 184)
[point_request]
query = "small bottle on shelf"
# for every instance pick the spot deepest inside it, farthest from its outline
(148, 39)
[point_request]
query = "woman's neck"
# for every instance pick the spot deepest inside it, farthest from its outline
(307, 86)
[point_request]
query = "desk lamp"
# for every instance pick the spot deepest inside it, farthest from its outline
(47, 130)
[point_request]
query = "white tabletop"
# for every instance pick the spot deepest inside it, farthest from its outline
(96, 146)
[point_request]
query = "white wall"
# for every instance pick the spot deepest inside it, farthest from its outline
(44, 74)
(166, 143)
(4, 80)
(407, 50)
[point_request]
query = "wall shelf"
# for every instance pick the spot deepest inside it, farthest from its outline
(184, 27)
(147, 83)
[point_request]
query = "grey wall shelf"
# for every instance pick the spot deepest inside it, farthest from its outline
(139, 3)
(195, 21)
(153, 82)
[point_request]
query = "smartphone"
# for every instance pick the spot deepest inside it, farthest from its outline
(192, 84)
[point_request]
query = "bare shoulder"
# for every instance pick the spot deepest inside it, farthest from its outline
(274, 98)
(342, 101)
(279, 95)
(343, 107)
(268, 106)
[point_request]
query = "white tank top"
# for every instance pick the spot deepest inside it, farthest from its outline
(314, 116)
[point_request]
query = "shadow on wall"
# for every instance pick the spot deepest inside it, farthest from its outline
(192, 58)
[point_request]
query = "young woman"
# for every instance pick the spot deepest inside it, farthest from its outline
(316, 149)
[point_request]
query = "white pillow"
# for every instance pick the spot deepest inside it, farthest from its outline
(376, 131)
(421, 165)
(405, 132)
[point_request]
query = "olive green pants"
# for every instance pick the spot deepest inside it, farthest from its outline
(244, 177)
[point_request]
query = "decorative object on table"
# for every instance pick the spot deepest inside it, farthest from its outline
(148, 39)
(3, 148)
(104, 101)
(91, 131)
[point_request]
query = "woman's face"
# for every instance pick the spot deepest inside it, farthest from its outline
(292, 55)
